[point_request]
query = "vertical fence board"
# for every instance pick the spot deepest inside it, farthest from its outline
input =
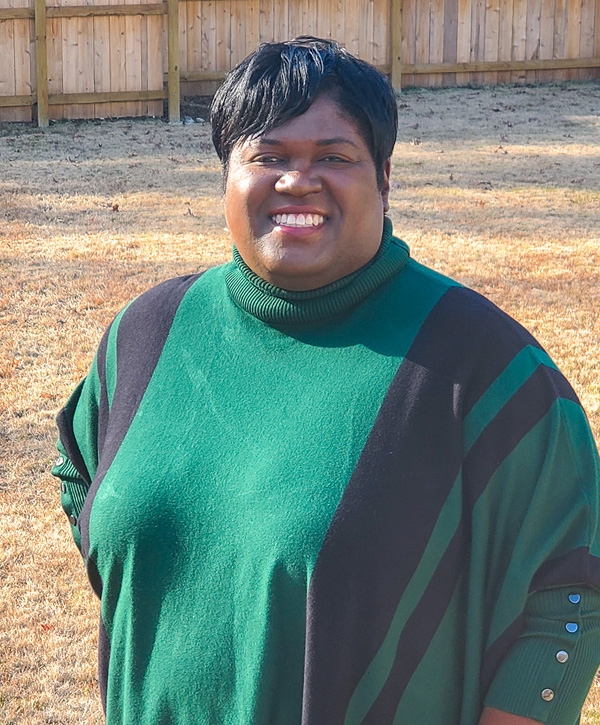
(559, 46)
(192, 12)
(252, 25)
(532, 40)
(265, 21)
(351, 25)
(573, 36)
(505, 36)
(311, 18)
(22, 63)
(155, 53)
(223, 51)
(422, 37)
(519, 37)
(546, 37)
(586, 41)
(238, 31)
(408, 32)
(281, 27)
(296, 9)
(133, 57)
(381, 32)
(597, 36)
(338, 18)
(436, 38)
(101, 63)
(463, 43)
(478, 37)
(450, 38)
(492, 28)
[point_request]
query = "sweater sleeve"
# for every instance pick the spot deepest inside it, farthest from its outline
(535, 540)
(549, 669)
(78, 447)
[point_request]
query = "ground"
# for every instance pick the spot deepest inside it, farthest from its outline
(499, 188)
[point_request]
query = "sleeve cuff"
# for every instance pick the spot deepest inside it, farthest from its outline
(73, 491)
(548, 671)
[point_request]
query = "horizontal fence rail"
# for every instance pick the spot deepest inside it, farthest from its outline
(80, 59)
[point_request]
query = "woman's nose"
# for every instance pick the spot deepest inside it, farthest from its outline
(298, 183)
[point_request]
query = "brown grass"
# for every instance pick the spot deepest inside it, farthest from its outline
(498, 188)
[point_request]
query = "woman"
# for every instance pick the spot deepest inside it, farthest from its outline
(322, 484)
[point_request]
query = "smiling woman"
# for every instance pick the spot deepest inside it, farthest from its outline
(323, 484)
(302, 203)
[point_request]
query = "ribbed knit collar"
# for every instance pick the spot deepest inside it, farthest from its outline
(277, 306)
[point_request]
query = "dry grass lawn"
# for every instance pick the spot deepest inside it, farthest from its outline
(498, 188)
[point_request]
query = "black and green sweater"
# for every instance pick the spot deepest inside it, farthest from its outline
(376, 502)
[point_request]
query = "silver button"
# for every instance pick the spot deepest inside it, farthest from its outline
(574, 598)
(63, 487)
(562, 656)
(571, 627)
(72, 520)
(59, 461)
(547, 694)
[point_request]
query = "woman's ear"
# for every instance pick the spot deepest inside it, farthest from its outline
(385, 187)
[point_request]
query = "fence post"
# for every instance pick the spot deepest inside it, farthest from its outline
(173, 59)
(396, 43)
(41, 63)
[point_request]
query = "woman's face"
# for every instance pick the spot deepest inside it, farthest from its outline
(302, 202)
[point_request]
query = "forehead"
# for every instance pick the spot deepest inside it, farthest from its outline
(323, 123)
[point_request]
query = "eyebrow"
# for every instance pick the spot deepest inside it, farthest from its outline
(319, 142)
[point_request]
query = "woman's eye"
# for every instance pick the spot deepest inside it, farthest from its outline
(266, 159)
(334, 158)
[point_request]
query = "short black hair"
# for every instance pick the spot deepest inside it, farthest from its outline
(280, 81)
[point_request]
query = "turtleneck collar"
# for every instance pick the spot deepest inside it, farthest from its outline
(277, 306)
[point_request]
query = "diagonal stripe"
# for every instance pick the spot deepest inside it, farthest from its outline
(137, 355)
(379, 670)
(393, 500)
(501, 390)
(419, 630)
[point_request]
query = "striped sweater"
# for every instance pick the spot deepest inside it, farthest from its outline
(372, 503)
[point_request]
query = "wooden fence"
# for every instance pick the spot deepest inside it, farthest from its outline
(80, 59)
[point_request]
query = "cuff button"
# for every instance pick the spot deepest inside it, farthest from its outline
(72, 520)
(547, 694)
(63, 487)
(571, 627)
(59, 461)
(574, 598)
(562, 656)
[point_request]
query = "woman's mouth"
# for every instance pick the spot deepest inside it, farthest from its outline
(298, 220)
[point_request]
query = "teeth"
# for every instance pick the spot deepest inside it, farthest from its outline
(298, 220)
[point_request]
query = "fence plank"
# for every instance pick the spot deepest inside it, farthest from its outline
(436, 37)
(586, 41)
(573, 35)
(396, 40)
(351, 26)
(7, 67)
(238, 31)
(492, 28)
(41, 63)
(173, 60)
(450, 38)
(546, 36)
(519, 37)
(422, 8)
(532, 42)
(463, 45)
(281, 20)
(478, 37)
(24, 63)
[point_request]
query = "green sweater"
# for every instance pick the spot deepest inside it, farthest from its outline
(374, 503)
